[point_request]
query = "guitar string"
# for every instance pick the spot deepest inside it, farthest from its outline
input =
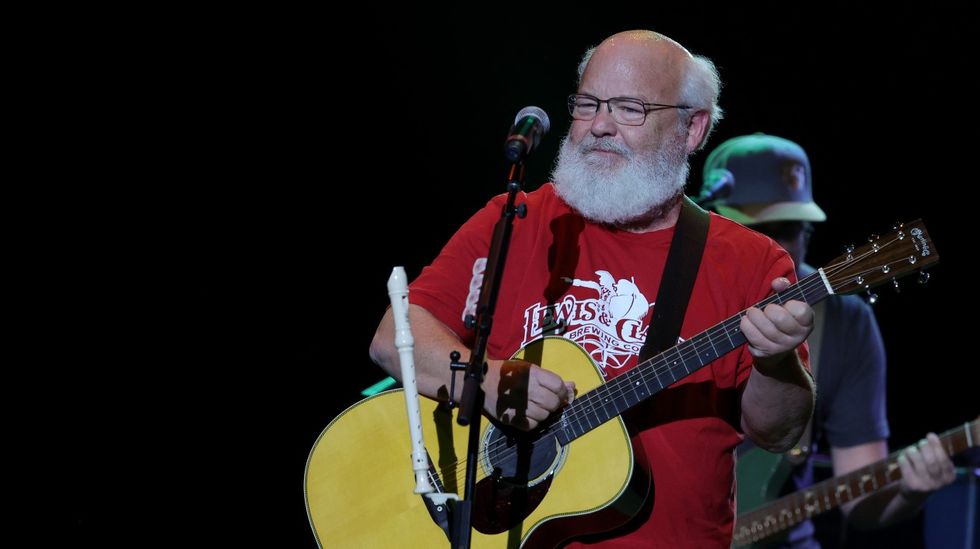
(501, 450)
(615, 389)
(496, 453)
(712, 335)
(830, 488)
(583, 407)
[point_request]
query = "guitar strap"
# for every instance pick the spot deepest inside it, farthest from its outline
(683, 260)
(674, 293)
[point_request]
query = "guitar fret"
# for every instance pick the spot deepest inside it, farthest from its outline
(589, 417)
(713, 350)
(862, 483)
(621, 402)
(696, 353)
(828, 494)
(809, 505)
(625, 386)
(892, 471)
(629, 381)
(725, 331)
(577, 418)
(767, 524)
(704, 357)
(590, 413)
(646, 386)
(656, 375)
(604, 406)
(640, 389)
(588, 426)
(787, 516)
(678, 350)
(611, 399)
(670, 370)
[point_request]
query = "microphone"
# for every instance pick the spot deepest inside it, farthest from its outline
(529, 125)
(718, 183)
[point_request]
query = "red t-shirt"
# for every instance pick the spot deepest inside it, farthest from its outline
(602, 283)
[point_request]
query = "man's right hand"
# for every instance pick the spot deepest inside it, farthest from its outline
(522, 394)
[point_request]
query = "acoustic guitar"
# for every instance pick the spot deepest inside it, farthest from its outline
(574, 476)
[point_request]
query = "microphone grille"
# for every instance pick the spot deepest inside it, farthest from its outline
(536, 112)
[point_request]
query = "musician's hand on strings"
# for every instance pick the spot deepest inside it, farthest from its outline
(776, 330)
(522, 394)
(925, 468)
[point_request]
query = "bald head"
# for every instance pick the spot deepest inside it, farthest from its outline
(650, 63)
(658, 69)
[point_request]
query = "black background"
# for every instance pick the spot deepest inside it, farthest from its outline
(278, 165)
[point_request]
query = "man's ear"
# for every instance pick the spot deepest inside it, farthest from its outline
(697, 127)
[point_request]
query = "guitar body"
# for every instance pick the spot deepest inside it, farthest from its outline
(760, 475)
(359, 482)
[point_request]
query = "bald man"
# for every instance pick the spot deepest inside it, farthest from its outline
(643, 105)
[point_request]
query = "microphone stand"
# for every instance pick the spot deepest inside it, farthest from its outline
(471, 401)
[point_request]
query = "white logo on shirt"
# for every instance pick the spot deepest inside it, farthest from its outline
(610, 328)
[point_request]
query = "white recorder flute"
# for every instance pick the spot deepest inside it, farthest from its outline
(398, 292)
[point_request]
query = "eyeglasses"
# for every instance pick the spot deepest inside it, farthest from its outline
(625, 110)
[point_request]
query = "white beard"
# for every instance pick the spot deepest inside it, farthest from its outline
(619, 196)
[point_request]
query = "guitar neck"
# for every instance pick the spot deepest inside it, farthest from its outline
(611, 399)
(905, 250)
(788, 511)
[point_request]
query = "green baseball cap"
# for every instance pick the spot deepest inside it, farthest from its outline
(772, 180)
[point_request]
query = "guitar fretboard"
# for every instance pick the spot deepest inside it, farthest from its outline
(611, 399)
(788, 511)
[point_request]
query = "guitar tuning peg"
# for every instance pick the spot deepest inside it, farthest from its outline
(895, 285)
(923, 277)
(849, 250)
(873, 239)
(872, 297)
(899, 229)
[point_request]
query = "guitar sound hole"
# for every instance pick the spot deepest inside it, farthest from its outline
(520, 458)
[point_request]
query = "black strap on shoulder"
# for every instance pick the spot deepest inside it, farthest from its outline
(683, 261)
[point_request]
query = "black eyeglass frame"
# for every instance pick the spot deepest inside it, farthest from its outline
(647, 107)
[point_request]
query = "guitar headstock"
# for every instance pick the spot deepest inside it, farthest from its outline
(905, 250)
